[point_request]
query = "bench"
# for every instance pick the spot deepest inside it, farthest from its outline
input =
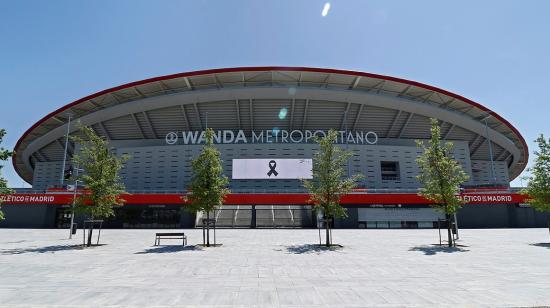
(172, 236)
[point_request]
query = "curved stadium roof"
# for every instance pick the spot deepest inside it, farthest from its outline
(250, 98)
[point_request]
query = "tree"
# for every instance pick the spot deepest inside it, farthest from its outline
(440, 175)
(4, 155)
(102, 183)
(538, 185)
(328, 183)
(208, 186)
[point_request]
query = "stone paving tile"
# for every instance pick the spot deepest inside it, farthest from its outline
(276, 268)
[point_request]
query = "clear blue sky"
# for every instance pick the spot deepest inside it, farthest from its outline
(54, 52)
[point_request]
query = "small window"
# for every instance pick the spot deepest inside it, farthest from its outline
(390, 170)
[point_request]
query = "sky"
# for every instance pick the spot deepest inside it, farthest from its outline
(494, 52)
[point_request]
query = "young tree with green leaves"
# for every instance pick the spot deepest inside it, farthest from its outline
(100, 177)
(208, 186)
(440, 175)
(4, 155)
(538, 185)
(328, 183)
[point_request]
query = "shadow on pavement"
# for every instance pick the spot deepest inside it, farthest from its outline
(311, 248)
(168, 249)
(547, 245)
(435, 248)
(51, 249)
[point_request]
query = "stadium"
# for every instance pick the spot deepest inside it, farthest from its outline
(265, 120)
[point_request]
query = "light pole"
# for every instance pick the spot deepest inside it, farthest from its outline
(65, 151)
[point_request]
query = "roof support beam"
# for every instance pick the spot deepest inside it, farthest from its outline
(503, 151)
(184, 114)
(355, 83)
(139, 92)
(37, 157)
(300, 79)
(150, 124)
(378, 87)
(292, 115)
(448, 132)
(40, 156)
(163, 86)
(476, 139)
(404, 92)
(62, 145)
(251, 115)
(405, 125)
(358, 116)
(138, 126)
(188, 83)
(112, 94)
(304, 119)
(478, 146)
(198, 115)
(507, 158)
(344, 123)
(447, 103)
(397, 115)
(217, 81)
(427, 98)
(501, 156)
(105, 130)
(238, 112)
(325, 82)
(96, 105)
(58, 120)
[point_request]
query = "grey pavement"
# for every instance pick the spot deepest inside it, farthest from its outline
(276, 268)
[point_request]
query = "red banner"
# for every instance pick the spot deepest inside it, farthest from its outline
(268, 199)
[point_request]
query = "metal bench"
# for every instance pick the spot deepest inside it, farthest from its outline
(172, 236)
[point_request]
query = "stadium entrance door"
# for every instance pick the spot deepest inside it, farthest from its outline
(262, 216)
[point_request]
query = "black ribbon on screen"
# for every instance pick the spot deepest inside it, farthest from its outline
(272, 164)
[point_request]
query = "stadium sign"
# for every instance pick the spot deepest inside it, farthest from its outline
(270, 136)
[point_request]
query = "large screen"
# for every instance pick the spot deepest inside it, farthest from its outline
(272, 168)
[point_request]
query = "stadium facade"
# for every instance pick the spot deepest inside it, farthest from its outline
(265, 120)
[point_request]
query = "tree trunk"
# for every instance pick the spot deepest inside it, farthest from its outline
(207, 229)
(327, 226)
(449, 226)
(90, 236)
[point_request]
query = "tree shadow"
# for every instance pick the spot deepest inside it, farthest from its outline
(14, 242)
(50, 249)
(311, 248)
(436, 248)
(169, 249)
(546, 245)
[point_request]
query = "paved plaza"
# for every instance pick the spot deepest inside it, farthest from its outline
(276, 268)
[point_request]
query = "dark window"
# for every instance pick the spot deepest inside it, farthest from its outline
(390, 170)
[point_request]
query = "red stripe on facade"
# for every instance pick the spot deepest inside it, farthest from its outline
(268, 199)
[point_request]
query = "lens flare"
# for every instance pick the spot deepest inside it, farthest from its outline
(282, 113)
(326, 8)
(292, 91)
